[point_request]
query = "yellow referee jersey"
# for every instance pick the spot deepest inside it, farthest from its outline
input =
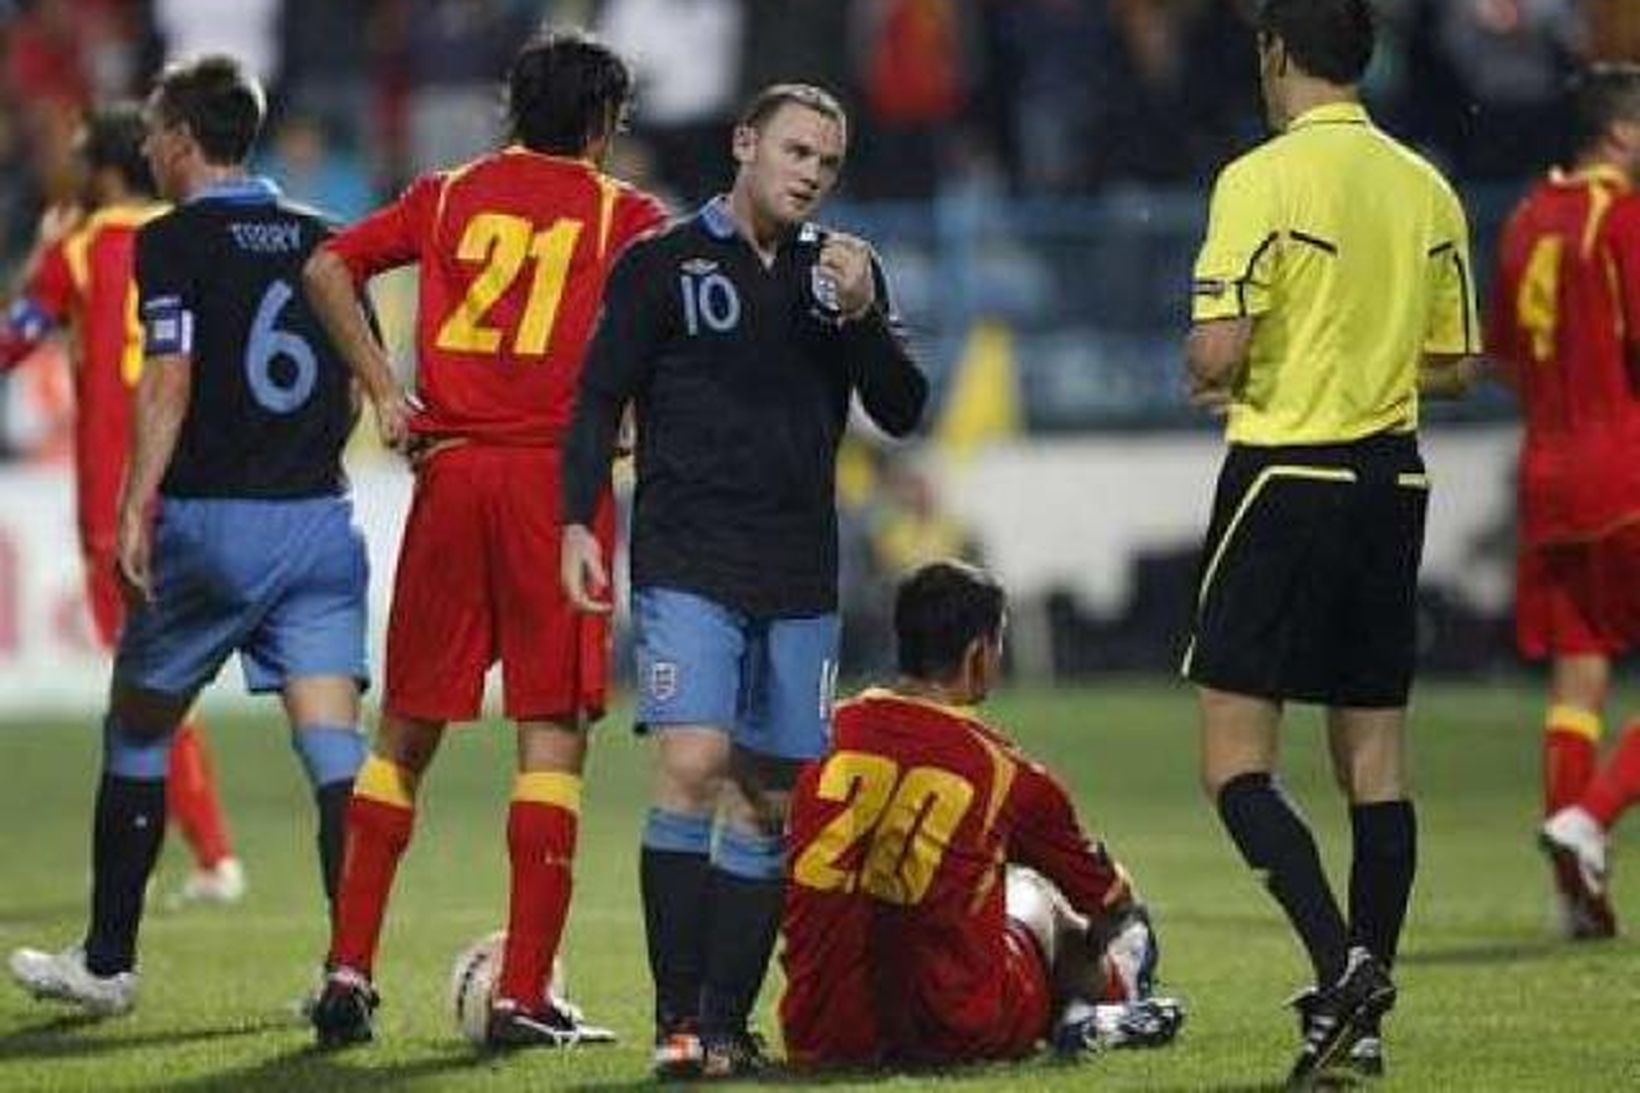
(1352, 254)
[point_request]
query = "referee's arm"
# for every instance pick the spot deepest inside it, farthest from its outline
(1452, 342)
(1231, 285)
(1215, 353)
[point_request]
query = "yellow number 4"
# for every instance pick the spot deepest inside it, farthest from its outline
(502, 242)
(909, 822)
(1537, 302)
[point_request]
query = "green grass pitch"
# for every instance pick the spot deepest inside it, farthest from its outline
(1489, 1000)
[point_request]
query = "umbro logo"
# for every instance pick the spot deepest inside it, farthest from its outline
(700, 266)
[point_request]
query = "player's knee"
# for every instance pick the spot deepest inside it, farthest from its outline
(1030, 901)
(690, 779)
(329, 753)
(407, 743)
(133, 753)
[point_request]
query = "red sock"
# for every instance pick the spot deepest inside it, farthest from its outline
(1571, 751)
(1618, 783)
(541, 828)
(190, 797)
(379, 822)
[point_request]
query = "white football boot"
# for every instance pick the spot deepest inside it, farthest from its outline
(222, 884)
(63, 977)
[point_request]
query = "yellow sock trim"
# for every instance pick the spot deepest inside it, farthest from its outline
(549, 787)
(1575, 720)
(382, 781)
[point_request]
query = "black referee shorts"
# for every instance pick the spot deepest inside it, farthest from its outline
(1309, 573)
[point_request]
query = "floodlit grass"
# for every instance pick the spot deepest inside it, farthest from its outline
(1489, 999)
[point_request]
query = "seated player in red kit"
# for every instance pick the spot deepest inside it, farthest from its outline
(944, 905)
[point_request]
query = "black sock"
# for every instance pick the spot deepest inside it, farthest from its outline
(125, 839)
(1274, 841)
(674, 886)
(745, 923)
(1386, 857)
(332, 799)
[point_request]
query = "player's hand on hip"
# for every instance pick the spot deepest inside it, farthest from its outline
(581, 569)
(846, 259)
(133, 559)
(394, 409)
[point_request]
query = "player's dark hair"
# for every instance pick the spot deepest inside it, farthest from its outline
(220, 103)
(939, 611)
(564, 91)
(1602, 95)
(763, 105)
(1329, 39)
(113, 141)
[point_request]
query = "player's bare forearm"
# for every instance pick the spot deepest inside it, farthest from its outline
(1216, 353)
(1447, 375)
(161, 405)
(334, 297)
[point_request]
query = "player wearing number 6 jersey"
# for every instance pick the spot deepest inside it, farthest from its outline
(513, 250)
(80, 277)
(235, 530)
(1565, 326)
(912, 935)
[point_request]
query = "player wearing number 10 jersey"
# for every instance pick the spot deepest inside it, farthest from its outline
(513, 251)
(1565, 325)
(910, 936)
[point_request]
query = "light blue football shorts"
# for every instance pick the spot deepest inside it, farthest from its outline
(767, 682)
(282, 583)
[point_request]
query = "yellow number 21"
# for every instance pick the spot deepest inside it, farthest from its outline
(502, 242)
(909, 821)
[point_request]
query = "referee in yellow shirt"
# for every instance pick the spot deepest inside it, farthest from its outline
(1332, 289)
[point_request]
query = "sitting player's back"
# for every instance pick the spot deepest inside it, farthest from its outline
(898, 947)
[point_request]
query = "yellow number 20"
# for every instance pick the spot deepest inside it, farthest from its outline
(503, 242)
(1537, 302)
(908, 821)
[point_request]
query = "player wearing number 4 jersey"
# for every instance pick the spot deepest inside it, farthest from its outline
(513, 250)
(1566, 329)
(944, 903)
(235, 531)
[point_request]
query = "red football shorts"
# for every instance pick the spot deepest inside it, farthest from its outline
(1579, 598)
(1027, 999)
(477, 581)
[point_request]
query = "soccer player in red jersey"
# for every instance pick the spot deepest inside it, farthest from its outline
(1565, 327)
(514, 248)
(79, 278)
(911, 936)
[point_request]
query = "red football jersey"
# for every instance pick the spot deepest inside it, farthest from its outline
(894, 912)
(1565, 318)
(85, 282)
(514, 248)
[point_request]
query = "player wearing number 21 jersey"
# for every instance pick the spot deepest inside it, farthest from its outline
(513, 250)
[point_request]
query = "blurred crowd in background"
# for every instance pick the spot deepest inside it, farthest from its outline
(1035, 97)
(1033, 171)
